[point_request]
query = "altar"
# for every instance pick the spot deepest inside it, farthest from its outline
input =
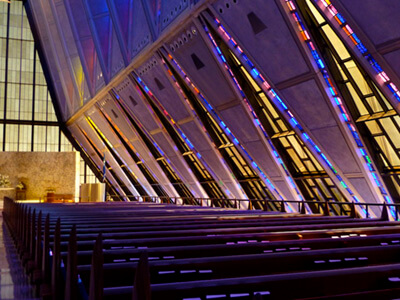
(6, 192)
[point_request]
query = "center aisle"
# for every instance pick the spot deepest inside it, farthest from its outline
(13, 282)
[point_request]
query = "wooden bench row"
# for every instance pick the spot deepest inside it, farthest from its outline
(201, 256)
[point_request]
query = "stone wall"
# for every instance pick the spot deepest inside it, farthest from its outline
(40, 171)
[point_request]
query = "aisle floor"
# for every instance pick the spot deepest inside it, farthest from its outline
(13, 281)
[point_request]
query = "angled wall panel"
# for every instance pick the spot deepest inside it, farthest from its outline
(318, 117)
(152, 9)
(120, 150)
(123, 10)
(70, 87)
(85, 126)
(112, 109)
(127, 91)
(153, 73)
(80, 74)
(85, 43)
(85, 144)
(55, 56)
(372, 17)
(192, 53)
(283, 110)
(105, 37)
(306, 98)
(260, 26)
(375, 26)
(139, 33)
(206, 73)
(170, 10)
(41, 31)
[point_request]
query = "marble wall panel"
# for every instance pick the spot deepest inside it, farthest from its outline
(40, 171)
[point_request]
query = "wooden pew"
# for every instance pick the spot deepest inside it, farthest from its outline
(200, 252)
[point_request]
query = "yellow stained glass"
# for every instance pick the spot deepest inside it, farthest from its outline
(336, 42)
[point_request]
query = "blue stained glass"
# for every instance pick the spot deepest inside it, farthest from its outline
(299, 127)
(327, 161)
(341, 18)
(362, 48)
(254, 71)
(356, 39)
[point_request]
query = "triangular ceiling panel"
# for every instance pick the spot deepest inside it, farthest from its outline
(154, 8)
(99, 78)
(123, 11)
(80, 27)
(140, 34)
(117, 61)
(170, 9)
(103, 30)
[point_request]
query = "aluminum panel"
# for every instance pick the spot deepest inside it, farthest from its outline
(191, 52)
(120, 150)
(187, 177)
(240, 123)
(80, 26)
(105, 37)
(196, 136)
(179, 165)
(365, 192)
(310, 106)
(170, 9)
(123, 12)
(152, 73)
(210, 155)
(128, 93)
(161, 140)
(260, 28)
(109, 157)
(77, 67)
(393, 60)
(139, 35)
(379, 19)
(61, 60)
(81, 139)
(116, 59)
(110, 108)
(257, 150)
(333, 143)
